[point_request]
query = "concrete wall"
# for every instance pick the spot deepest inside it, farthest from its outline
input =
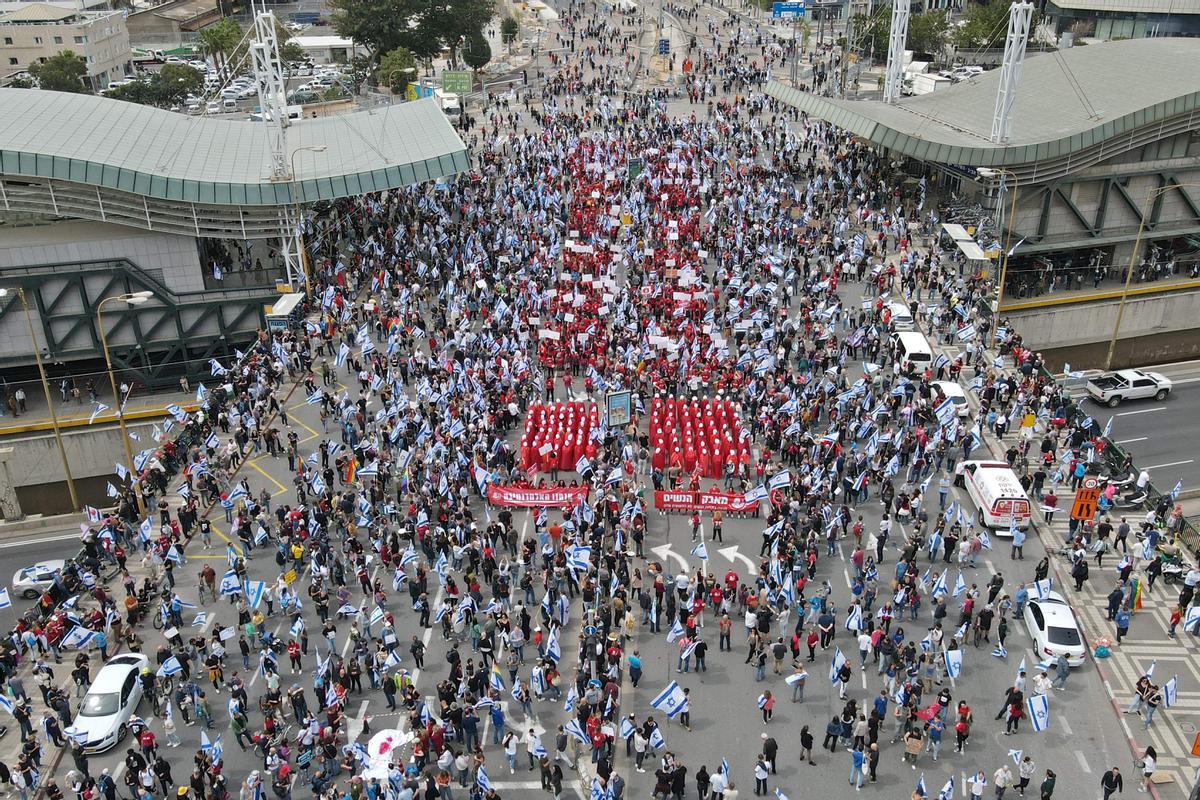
(1157, 327)
(36, 471)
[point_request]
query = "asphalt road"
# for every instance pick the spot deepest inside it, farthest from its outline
(1161, 436)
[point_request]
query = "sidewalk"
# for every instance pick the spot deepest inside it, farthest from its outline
(75, 414)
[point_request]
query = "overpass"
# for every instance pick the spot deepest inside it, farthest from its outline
(100, 197)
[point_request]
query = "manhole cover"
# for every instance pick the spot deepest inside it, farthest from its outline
(1188, 727)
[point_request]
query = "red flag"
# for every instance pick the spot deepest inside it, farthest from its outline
(929, 712)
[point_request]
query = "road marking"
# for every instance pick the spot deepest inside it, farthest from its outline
(1066, 726)
(46, 540)
(1083, 765)
(355, 725)
(1170, 464)
(1131, 441)
(1140, 411)
(987, 562)
(264, 473)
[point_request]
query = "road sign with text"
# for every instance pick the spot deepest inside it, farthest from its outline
(1084, 507)
(456, 81)
(787, 10)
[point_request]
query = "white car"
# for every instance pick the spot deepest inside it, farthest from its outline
(955, 394)
(1128, 384)
(1052, 626)
(33, 580)
(109, 703)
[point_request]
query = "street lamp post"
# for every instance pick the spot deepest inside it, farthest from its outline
(989, 172)
(1151, 195)
(37, 354)
(299, 229)
(134, 299)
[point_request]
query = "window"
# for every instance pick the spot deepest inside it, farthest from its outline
(12, 62)
(37, 40)
(80, 39)
(8, 40)
(58, 40)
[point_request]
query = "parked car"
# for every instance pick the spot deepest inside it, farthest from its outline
(1128, 384)
(1053, 628)
(104, 712)
(955, 394)
(35, 579)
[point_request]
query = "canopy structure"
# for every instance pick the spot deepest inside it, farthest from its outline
(98, 158)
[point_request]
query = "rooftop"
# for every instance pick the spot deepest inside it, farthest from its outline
(1067, 101)
(169, 156)
(38, 12)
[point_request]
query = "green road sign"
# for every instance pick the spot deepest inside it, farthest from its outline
(458, 82)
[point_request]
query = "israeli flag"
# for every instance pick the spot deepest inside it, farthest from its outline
(254, 592)
(780, 480)
(947, 792)
(700, 551)
(671, 700)
(230, 583)
(854, 619)
(921, 790)
(656, 739)
(200, 619)
(552, 648)
(392, 660)
(926, 643)
(676, 631)
(572, 699)
(297, 626)
(5, 599)
(960, 585)
(572, 727)
(6, 703)
(170, 667)
(1171, 691)
(1038, 707)
(1042, 588)
(627, 728)
(1000, 652)
(76, 638)
(839, 660)
(1015, 755)
(953, 663)
(376, 615)
(1178, 488)
(1149, 673)
(481, 779)
(939, 585)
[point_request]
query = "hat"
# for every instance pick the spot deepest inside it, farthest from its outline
(182, 791)
(764, 735)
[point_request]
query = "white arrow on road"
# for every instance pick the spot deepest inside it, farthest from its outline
(664, 552)
(732, 554)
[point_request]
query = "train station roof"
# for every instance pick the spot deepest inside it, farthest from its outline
(1067, 101)
(170, 156)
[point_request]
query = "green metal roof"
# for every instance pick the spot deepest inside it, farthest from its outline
(170, 156)
(1067, 101)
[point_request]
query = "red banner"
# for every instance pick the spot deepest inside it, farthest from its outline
(529, 497)
(703, 501)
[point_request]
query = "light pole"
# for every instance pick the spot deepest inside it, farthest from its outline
(1151, 195)
(134, 299)
(991, 172)
(299, 229)
(37, 354)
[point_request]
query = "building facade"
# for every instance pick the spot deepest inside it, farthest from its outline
(1123, 19)
(38, 31)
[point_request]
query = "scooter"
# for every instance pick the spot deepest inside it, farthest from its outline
(1134, 499)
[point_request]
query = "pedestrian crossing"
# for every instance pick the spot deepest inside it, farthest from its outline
(1173, 729)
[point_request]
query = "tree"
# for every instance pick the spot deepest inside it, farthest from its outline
(396, 69)
(926, 32)
(291, 53)
(384, 25)
(61, 73)
(174, 82)
(986, 26)
(219, 40)
(476, 51)
(510, 29)
(455, 21)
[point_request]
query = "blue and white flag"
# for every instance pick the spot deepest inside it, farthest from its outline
(947, 792)
(5, 599)
(170, 667)
(960, 585)
(572, 727)
(676, 631)
(1015, 755)
(481, 779)
(999, 652)
(552, 647)
(1038, 707)
(254, 592)
(953, 663)
(839, 659)
(1042, 588)
(1171, 691)
(921, 790)
(670, 700)
(76, 638)
(854, 620)
(700, 551)
(1178, 488)
(656, 739)
(200, 619)
(230, 583)
(572, 699)
(6, 703)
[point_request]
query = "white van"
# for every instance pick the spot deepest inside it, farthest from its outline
(997, 494)
(912, 348)
(900, 316)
